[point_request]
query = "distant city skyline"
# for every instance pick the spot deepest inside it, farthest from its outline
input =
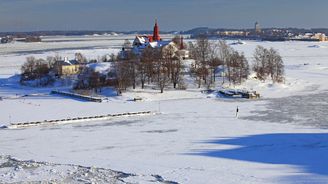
(173, 15)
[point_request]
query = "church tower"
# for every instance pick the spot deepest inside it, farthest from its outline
(156, 36)
(257, 28)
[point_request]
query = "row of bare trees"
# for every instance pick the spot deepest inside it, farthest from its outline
(163, 67)
(35, 69)
(218, 57)
(157, 66)
(268, 63)
(39, 69)
(210, 56)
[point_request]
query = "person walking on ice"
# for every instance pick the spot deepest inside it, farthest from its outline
(237, 110)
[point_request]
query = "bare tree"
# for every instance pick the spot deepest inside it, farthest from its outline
(80, 58)
(201, 53)
(276, 66)
(214, 63)
(224, 52)
(244, 68)
(123, 77)
(94, 80)
(268, 62)
(238, 68)
(198, 71)
(142, 72)
(173, 63)
(162, 75)
(176, 72)
(148, 60)
(130, 61)
(90, 79)
(260, 62)
(35, 69)
(51, 61)
(29, 67)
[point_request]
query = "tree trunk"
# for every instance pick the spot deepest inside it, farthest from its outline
(142, 84)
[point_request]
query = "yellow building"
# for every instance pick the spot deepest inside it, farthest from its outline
(67, 67)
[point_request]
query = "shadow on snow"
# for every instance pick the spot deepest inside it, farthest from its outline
(306, 150)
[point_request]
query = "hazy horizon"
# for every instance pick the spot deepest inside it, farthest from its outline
(182, 15)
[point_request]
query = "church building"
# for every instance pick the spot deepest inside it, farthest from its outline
(155, 41)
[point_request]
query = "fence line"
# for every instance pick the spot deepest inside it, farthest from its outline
(75, 120)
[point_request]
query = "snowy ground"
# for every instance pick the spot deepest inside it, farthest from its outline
(30, 171)
(278, 139)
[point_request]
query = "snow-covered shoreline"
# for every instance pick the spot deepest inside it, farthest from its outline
(14, 170)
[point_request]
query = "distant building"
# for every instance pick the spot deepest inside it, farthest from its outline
(232, 33)
(6, 39)
(321, 37)
(33, 39)
(258, 29)
(182, 52)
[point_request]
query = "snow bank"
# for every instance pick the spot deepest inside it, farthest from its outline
(17, 171)
(102, 68)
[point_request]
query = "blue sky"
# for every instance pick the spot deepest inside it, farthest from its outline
(125, 15)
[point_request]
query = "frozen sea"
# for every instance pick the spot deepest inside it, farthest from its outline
(193, 137)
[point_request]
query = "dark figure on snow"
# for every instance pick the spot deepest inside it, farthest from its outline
(237, 110)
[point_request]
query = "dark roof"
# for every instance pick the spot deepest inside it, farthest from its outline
(70, 62)
(74, 62)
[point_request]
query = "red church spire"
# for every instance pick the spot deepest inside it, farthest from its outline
(156, 36)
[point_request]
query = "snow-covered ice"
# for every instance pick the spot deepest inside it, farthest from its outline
(280, 138)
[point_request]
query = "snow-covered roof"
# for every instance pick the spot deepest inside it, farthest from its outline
(141, 39)
(157, 44)
(153, 44)
(67, 62)
(137, 49)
